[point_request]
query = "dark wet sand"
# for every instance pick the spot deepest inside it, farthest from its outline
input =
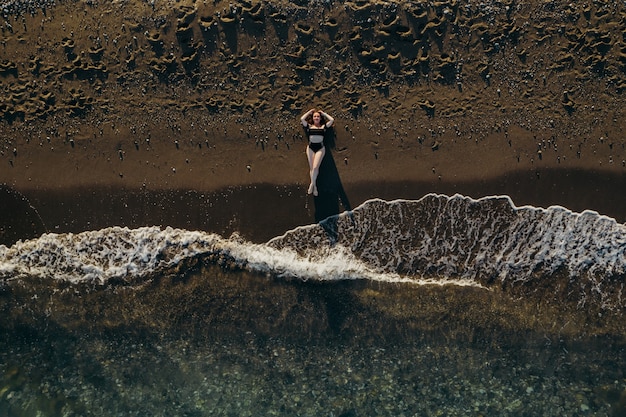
(261, 211)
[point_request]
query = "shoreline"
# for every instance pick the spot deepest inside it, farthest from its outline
(185, 114)
(259, 212)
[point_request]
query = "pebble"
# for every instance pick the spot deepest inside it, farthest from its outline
(249, 379)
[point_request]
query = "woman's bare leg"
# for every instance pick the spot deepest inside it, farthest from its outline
(315, 160)
(310, 155)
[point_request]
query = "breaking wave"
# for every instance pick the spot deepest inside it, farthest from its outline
(435, 240)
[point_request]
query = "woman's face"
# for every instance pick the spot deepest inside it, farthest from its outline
(317, 118)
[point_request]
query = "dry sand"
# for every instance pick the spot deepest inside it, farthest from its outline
(518, 98)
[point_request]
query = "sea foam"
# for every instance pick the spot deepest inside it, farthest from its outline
(437, 239)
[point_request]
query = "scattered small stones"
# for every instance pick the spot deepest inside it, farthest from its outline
(250, 379)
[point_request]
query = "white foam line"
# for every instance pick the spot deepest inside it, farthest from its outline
(340, 265)
(586, 242)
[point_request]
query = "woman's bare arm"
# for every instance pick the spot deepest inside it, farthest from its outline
(304, 117)
(328, 117)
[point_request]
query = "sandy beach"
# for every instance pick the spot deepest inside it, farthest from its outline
(116, 100)
(183, 116)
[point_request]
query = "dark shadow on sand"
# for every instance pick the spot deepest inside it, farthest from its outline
(331, 191)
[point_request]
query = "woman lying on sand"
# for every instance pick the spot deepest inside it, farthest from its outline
(315, 151)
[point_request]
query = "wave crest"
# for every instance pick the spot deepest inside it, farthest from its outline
(437, 239)
(487, 241)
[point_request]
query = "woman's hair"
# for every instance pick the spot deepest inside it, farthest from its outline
(309, 119)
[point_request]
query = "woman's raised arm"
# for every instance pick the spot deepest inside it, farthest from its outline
(329, 118)
(304, 117)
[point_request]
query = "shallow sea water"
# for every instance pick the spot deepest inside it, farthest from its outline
(178, 347)
(130, 376)
(336, 319)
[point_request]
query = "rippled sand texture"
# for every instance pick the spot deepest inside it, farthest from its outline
(191, 93)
